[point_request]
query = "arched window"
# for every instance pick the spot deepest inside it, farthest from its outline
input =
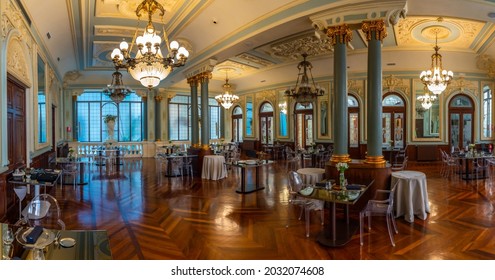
(266, 123)
(461, 112)
(353, 111)
(393, 121)
(487, 112)
(304, 124)
(237, 124)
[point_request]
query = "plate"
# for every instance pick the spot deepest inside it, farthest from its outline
(251, 162)
(46, 238)
(306, 191)
(352, 194)
(67, 242)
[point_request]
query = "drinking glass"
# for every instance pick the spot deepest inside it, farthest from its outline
(38, 254)
(8, 236)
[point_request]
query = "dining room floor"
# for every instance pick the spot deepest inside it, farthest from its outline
(150, 216)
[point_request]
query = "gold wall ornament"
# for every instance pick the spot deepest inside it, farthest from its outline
(375, 25)
(392, 83)
(343, 32)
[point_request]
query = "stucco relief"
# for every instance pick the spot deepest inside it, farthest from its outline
(17, 62)
(266, 95)
(17, 20)
(356, 86)
(309, 44)
(461, 84)
(392, 83)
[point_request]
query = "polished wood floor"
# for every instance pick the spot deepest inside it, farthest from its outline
(150, 216)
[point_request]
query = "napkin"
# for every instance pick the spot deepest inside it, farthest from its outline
(354, 187)
(33, 236)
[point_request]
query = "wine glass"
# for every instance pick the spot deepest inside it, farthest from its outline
(8, 237)
(38, 254)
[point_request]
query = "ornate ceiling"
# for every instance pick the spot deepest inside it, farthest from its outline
(259, 42)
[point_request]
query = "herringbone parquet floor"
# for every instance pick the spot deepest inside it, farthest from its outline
(150, 216)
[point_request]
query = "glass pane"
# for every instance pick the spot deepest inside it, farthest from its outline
(398, 130)
(309, 129)
(454, 130)
(249, 117)
(269, 127)
(467, 129)
(299, 106)
(283, 125)
(324, 118)
(352, 101)
(300, 129)
(392, 100)
(263, 130)
(237, 111)
(41, 101)
(461, 101)
(353, 130)
(266, 107)
(386, 129)
(487, 112)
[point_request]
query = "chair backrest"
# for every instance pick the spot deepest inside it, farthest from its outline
(295, 182)
(44, 211)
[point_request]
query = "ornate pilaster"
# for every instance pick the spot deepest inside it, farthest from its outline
(375, 32)
(340, 35)
(158, 114)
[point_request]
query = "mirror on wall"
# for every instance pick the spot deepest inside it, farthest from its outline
(249, 116)
(324, 118)
(427, 113)
(42, 124)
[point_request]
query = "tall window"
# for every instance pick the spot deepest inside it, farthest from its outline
(487, 112)
(92, 106)
(237, 124)
(266, 123)
(179, 118)
(41, 117)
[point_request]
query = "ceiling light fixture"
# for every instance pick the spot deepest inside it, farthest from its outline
(426, 100)
(436, 78)
(117, 91)
(149, 66)
(305, 92)
(226, 99)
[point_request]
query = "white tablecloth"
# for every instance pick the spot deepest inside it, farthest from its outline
(311, 175)
(214, 168)
(411, 195)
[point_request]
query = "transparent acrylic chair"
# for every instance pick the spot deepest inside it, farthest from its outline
(307, 205)
(381, 205)
(43, 210)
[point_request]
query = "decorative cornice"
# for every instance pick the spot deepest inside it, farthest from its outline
(343, 32)
(391, 83)
(206, 66)
(461, 84)
(378, 26)
(308, 44)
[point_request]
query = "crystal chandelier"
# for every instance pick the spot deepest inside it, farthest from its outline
(436, 78)
(426, 100)
(149, 66)
(226, 99)
(304, 92)
(116, 91)
(283, 107)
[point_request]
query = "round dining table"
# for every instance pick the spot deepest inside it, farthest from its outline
(411, 195)
(214, 167)
(311, 175)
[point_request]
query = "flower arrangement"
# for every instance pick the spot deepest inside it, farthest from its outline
(70, 154)
(109, 117)
(342, 166)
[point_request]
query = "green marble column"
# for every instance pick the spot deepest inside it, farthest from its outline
(375, 32)
(340, 35)
(193, 82)
(205, 116)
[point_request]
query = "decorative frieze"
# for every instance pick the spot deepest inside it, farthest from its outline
(392, 83)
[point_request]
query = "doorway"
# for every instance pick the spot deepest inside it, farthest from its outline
(461, 112)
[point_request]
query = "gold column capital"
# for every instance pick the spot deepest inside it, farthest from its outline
(205, 76)
(193, 81)
(374, 25)
(158, 98)
(341, 158)
(343, 32)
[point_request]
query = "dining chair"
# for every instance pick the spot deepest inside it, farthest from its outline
(187, 166)
(70, 169)
(44, 210)
(400, 165)
(292, 159)
(382, 204)
(307, 205)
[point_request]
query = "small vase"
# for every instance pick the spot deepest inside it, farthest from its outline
(341, 180)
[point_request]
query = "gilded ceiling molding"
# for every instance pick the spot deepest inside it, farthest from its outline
(343, 32)
(392, 83)
(379, 28)
(254, 60)
(356, 86)
(310, 44)
(16, 60)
